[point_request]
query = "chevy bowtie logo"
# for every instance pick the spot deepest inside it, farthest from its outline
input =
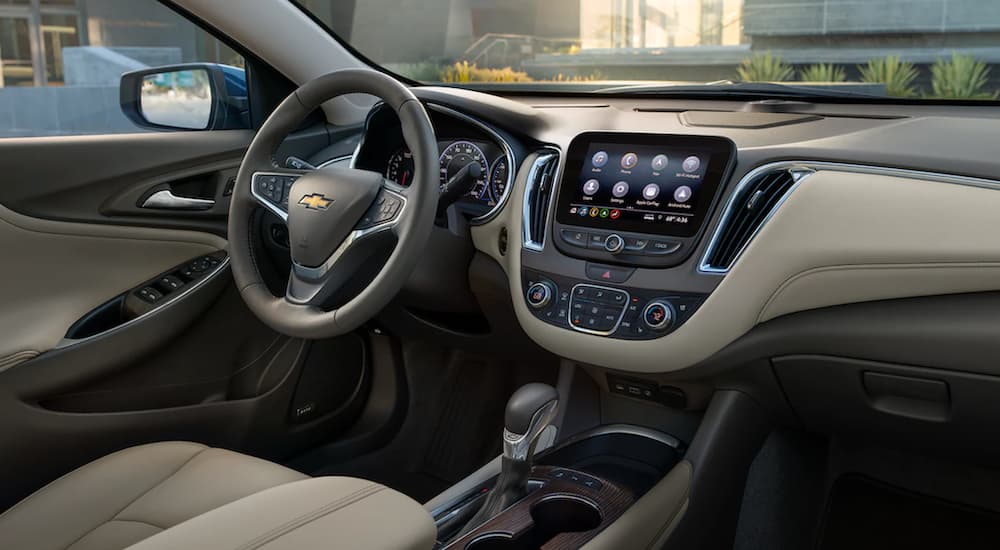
(316, 201)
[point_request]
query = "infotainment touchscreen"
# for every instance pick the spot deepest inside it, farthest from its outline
(645, 183)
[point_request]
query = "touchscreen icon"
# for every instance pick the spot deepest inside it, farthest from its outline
(651, 191)
(594, 212)
(583, 212)
(620, 189)
(604, 212)
(691, 164)
(599, 159)
(591, 187)
(629, 160)
(682, 193)
(659, 162)
(615, 214)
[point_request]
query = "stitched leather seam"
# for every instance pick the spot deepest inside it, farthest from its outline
(310, 517)
(114, 517)
(48, 487)
(162, 481)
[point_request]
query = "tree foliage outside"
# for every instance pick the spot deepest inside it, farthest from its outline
(961, 77)
(764, 67)
(823, 72)
(898, 76)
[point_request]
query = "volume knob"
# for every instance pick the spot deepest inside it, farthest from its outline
(614, 243)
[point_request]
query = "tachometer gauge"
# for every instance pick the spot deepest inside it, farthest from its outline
(459, 154)
(400, 167)
(498, 178)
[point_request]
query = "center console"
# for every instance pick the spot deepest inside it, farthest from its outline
(626, 207)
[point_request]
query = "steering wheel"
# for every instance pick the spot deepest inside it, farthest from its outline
(337, 217)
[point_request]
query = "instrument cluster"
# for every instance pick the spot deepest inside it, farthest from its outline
(489, 188)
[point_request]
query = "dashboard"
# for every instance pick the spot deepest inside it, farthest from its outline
(647, 235)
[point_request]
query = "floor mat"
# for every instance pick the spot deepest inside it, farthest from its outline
(864, 513)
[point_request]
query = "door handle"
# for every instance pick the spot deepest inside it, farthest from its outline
(165, 199)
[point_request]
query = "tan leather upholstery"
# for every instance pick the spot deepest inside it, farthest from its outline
(332, 513)
(133, 494)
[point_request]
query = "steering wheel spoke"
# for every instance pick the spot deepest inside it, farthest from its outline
(270, 189)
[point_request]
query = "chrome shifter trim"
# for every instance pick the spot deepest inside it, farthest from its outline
(521, 446)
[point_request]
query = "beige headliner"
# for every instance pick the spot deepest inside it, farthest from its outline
(840, 237)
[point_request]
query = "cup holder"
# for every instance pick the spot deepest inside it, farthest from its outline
(550, 516)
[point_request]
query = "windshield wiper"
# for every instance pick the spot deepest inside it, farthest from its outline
(726, 88)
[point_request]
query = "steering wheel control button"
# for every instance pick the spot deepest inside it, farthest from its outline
(658, 315)
(383, 210)
(575, 238)
(614, 243)
(662, 248)
(540, 295)
(609, 273)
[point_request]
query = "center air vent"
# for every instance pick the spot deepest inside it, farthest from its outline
(746, 213)
(537, 196)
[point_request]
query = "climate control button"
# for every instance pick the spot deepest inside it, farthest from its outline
(540, 295)
(614, 243)
(658, 315)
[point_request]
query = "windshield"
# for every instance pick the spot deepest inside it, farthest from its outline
(915, 49)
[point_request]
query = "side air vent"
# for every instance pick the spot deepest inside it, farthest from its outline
(747, 211)
(537, 197)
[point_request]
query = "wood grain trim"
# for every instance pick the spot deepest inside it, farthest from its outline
(610, 500)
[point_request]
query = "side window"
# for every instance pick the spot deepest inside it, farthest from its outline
(62, 61)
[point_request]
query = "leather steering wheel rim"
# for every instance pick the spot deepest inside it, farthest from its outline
(411, 226)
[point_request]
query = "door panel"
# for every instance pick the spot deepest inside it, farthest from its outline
(101, 179)
(76, 239)
(56, 272)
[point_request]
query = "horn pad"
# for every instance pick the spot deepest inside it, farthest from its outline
(323, 208)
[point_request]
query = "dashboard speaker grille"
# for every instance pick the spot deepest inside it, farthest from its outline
(537, 198)
(747, 212)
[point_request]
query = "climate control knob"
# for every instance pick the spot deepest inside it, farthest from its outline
(658, 315)
(614, 243)
(540, 295)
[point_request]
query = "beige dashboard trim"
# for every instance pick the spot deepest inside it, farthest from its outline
(55, 272)
(843, 236)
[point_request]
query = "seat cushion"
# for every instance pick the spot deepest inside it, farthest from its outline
(329, 513)
(134, 494)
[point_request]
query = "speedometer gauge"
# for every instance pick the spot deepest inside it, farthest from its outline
(400, 167)
(498, 179)
(457, 156)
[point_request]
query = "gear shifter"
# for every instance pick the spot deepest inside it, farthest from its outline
(529, 411)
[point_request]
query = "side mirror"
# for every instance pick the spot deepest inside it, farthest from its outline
(193, 96)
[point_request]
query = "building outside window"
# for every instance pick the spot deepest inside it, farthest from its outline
(61, 61)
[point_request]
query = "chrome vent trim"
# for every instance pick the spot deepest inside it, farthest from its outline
(539, 192)
(800, 170)
(754, 201)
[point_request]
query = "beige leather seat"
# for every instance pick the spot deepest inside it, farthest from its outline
(186, 495)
